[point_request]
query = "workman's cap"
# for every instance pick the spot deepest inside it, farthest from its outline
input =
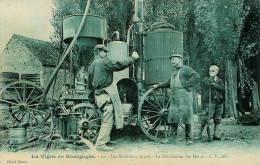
(175, 55)
(101, 47)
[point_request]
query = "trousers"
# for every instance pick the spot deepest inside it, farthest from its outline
(216, 111)
(188, 131)
(108, 118)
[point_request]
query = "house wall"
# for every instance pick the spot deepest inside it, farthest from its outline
(17, 58)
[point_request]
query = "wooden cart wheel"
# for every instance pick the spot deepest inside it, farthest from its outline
(90, 122)
(18, 104)
(153, 113)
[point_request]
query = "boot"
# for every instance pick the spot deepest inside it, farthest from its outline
(215, 136)
(104, 148)
(189, 142)
(209, 135)
(172, 137)
(202, 126)
(188, 134)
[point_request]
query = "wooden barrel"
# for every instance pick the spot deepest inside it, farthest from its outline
(17, 135)
(3, 113)
(8, 77)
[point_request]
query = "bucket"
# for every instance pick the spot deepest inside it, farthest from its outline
(127, 108)
(18, 135)
(4, 111)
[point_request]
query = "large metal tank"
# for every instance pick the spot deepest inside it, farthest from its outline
(158, 45)
(119, 50)
(94, 30)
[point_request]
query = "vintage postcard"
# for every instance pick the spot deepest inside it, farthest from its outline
(131, 82)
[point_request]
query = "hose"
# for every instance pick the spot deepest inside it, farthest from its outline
(65, 54)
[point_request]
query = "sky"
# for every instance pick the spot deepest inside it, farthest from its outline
(29, 18)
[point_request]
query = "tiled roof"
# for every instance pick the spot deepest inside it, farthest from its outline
(45, 51)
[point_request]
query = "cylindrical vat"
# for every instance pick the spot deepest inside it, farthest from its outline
(94, 30)
(17, 136)
(158, 45)
(67, 125)
(72, 125)
(119, 50)
(62, 125)
(4, 111)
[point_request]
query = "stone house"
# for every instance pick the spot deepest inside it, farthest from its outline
(28, 56)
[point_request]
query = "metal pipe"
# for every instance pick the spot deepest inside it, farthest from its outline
(138, 40)
(139, 64)
(71, 74)
(139, 10)
(54, 74)
(105, 39)
(128, 34)
(65, 74)
(117, 35)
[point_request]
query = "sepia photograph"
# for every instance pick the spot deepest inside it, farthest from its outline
(133, 82)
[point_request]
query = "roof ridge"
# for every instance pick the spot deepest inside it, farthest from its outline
(43, 50)
(24, 37)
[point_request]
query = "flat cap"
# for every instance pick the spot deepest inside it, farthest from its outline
(101, 47)
(175, 55)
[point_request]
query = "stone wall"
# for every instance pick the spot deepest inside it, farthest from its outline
(17, 58)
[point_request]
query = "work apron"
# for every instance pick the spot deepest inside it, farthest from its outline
(112, 91)
(181, 110)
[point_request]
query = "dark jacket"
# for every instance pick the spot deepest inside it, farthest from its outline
(188, 78)
(100, 72)
(217, 90)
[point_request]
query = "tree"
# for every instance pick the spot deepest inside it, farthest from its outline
(219, 32)
(118, 14)
(248, 56)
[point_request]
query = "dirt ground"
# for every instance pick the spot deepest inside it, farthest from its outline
(238, 141)
(234, 137)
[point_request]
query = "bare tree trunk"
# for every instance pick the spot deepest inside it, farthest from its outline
(231, 89)
(255, 99)
(228, 111)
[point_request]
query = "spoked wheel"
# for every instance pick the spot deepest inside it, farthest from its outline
(18, 104)
(90, 122)
(153, 114)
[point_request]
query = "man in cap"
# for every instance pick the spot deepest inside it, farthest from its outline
(216, 85)
(100, 85)
(181, 83)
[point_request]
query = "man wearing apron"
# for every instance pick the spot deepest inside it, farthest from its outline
(181, 84)
(103, 91)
